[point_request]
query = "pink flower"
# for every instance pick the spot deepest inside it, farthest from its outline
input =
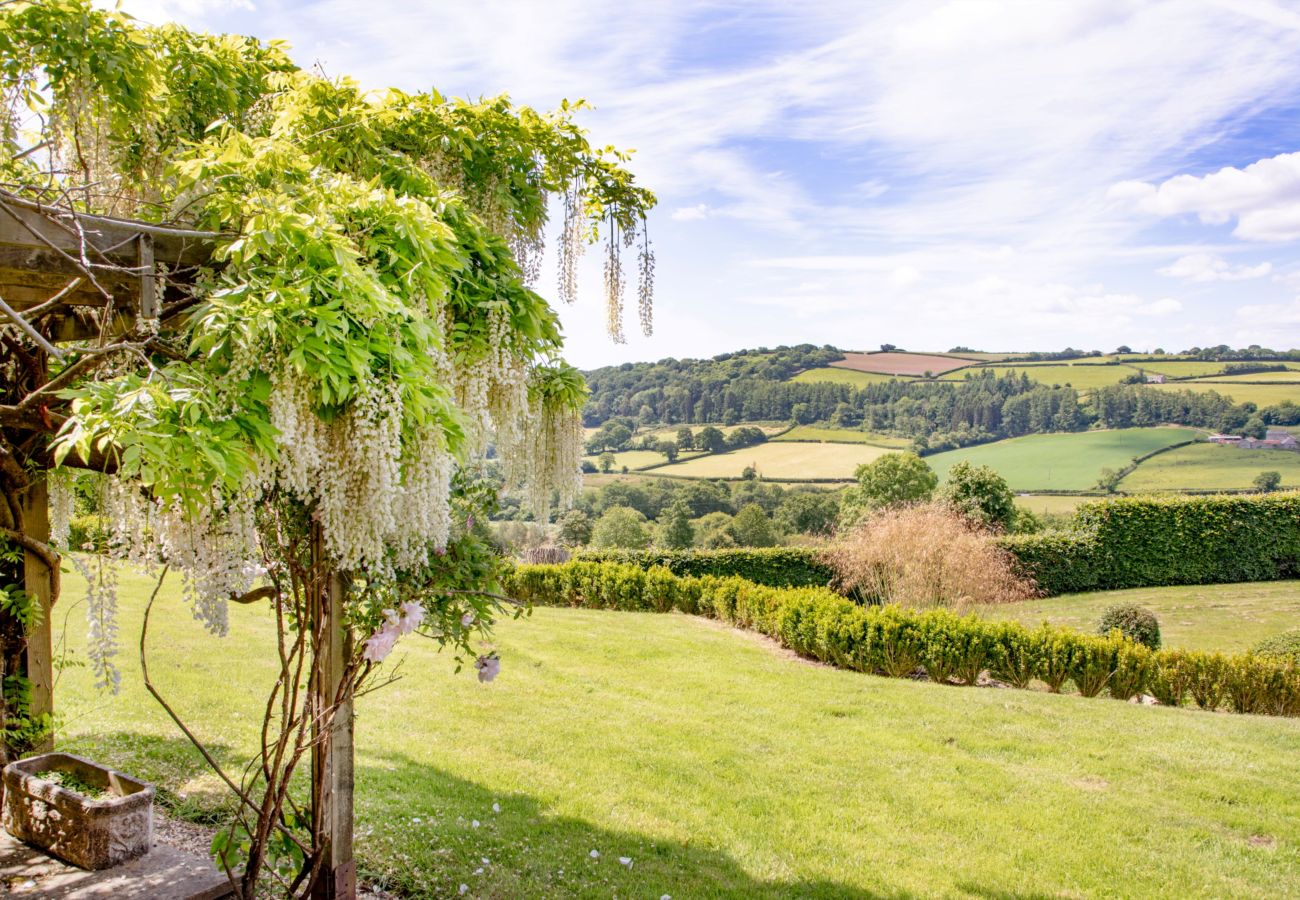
(468, 620)
(489, 667)
(380, 644)
(412, 616)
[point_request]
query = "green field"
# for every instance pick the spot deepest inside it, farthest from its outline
(778, 459)
(845, 376)
(633, 459)
(723, 769)
(1227, 617)
(842, 436)
(1290, 376)
(1181, 368)
(1082, 377)
(1062, 462)
(1051, 504)
(1210, 467)
(1259, 394)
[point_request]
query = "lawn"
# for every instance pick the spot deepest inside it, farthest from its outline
(1226, 617)
(842, 436)
(1210, 467)
(1062, 462)
(780, 459)
(1259, 394)
(843, 376)
(721, 768)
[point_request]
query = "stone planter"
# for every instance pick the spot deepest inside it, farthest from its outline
(92, 834)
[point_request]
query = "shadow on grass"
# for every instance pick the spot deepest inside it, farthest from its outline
(423, 833)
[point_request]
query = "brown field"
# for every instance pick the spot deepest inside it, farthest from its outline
(900, 363)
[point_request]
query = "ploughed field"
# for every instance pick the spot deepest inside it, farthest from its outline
(719, 767)
(900, 363)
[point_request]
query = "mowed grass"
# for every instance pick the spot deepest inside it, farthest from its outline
(1259, 394)
(842, 436)
(1063, 462)
(723, 769)
(843, 376)
(780, 459)
(1231, 618)
(1210, 467)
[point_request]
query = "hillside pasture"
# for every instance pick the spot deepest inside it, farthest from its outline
(1181, 368)
(850, 377)
(1080, 376)
(721, 768)
(1259, 394)
(843, 436)
(1290, 376)
(900, 363)
(1051, 504)
(1230, 618)
(633, 459)
(1210, 467)
(781, 459)
(1061, 462)
(980, 356)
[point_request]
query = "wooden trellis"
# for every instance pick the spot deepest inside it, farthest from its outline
(69, 277)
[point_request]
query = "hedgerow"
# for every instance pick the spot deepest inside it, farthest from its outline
(1114, 543)
(890, 640)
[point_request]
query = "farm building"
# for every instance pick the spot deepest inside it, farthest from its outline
(1226, 439)
(1274, 439)
(1155, 378)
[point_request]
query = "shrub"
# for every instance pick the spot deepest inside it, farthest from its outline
(620, 527)
(924, 556)
(1281, 646)
(775, 567)
(896, 641)
(1134, 622)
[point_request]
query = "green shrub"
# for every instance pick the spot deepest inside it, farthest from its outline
(89, 533)
(775, 566)
(1281, 646)
(1134, 622)
(896, 641)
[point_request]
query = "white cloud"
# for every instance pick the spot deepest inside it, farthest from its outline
(1264, 198)
(691, 213)
(1208, 267)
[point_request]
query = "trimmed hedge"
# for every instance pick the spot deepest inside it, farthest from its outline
(1122, 542)
(774, 566)
(1131, 542)
(890, 640)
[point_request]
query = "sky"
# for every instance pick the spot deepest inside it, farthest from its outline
(995, 174)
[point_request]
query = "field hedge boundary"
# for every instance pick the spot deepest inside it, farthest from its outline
(1114, 543)
(891, 640)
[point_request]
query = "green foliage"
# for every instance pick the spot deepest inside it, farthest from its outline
(710, 440)
(620, 528)
(1134, 622)
(895, 641)
(980, 493)
(1282, 646)
(574, 528)
(752, 527)
(1267, 482)
(675, 531)
(775, 567)
(1156, 541)
(890, 480)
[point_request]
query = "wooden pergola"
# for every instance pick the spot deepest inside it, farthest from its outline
(73, 278)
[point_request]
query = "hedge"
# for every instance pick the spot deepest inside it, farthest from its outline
(1122, 542)
(772, 566)
(890, 640)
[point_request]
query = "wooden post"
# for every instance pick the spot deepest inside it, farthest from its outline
(37, 581)
(332, 758)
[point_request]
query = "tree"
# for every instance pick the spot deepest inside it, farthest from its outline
(710, 440)
(574, 528)
(668, 449)
(685, 438)
(675, 531)
(888, 348)
(808, 512)
(607, 462)
(1123, 348)
(981, 494)
(311, 407)
(752, 528)
(1255, 427)
(713, 531)
(620, 528)
(1109, 480)
(893, 479)
(1267, 482)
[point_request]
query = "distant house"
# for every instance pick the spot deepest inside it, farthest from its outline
(1274, 439)
(1155, 378)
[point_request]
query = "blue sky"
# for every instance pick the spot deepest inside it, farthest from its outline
(1003, 175)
